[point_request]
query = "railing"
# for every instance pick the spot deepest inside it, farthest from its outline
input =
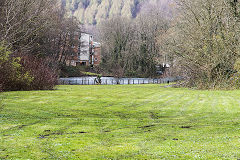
(113, 81)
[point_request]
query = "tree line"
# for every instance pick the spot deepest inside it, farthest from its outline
(35, 37)
(200, 39)
(130, 47)
(204, 43)
(94, 11)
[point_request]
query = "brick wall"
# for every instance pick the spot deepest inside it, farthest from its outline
(97, 55)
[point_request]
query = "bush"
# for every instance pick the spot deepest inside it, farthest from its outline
(12, 73)
(25, 72)
(45, 77)
(235, 79)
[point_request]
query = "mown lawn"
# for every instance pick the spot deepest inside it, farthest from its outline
(120, 122)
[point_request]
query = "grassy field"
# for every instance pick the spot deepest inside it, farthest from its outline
(120, 122)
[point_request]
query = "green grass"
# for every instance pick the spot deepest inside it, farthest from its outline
(120, 122)
(91, 74)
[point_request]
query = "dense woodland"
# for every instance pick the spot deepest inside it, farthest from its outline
(204, 42)
(130, 47)
(199, 39)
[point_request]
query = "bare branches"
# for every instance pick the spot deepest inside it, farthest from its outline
(36, 26)
(130, 47)
(206, 42)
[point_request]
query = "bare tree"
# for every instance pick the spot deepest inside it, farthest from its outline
(37, 27)
(205, 42)
(130, 47)
(38, 37)
(116, 36)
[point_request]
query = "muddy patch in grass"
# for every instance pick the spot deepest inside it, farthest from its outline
(186, 127)
(147, 126)
(42, 136)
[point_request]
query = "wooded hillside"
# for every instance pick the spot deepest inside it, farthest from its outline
(94, 11)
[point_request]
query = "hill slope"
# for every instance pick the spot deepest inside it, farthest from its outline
(93, 11)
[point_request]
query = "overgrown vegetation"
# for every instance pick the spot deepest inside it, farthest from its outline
(13, 76)
(120, 122)
(24, 72)
(205, 43)
(199, 39)
(35, 38)
(129, 47)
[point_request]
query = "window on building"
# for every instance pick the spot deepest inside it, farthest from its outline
(96, 59)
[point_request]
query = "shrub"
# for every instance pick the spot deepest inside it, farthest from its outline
(25, 72)
(235, 79)
(43, 71)
(12, 74)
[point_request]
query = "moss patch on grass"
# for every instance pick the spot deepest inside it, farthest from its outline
(120, 122)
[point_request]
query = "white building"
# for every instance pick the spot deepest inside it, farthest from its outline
(86, 52)
(86, 41)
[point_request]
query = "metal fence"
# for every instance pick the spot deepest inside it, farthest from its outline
(113, 81)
